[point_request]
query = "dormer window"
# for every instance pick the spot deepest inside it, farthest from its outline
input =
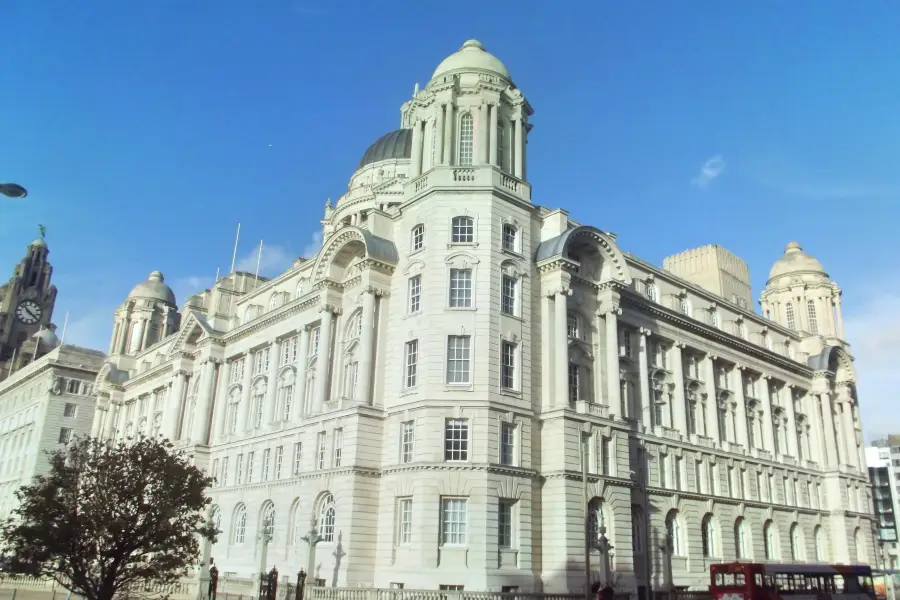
(510, 238)
(418, 237)
(273, 301)
(685, 306)
(652, 293)
(463, 230)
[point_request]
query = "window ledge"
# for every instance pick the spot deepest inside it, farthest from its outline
(458, 387)
(510, 392)
(415, 252)
(409, 391)
(461, 308)
(515, 253)
(462, 245)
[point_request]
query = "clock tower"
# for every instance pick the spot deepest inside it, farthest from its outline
(26, 307)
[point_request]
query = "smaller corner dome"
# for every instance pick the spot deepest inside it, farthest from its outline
(154, 289)
(795, 262)
(472, 57)
(396, 144)
(47, 338)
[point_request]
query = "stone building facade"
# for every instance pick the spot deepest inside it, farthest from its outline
(425, 391)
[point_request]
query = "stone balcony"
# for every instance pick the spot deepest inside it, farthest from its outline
(476, 177)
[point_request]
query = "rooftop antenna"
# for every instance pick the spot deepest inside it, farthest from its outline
(37, 343)
(62, 339)
(416, 90)
(12, 363)
(217, 274)
(234, 254)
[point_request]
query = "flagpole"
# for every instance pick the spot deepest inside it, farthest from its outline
(234, 254)
(258, 259)
(62, 339)
(37, 344)
(217, 275)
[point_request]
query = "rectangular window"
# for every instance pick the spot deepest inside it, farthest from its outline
(460, 288)
(810, 497)
(415, 294)
(261, 361)
(732, 483)
(279, 460)
(267, 455)
(250, 467)
(745, 485)
(258, 402)
(289, 350)
(456, 440)
(412, 363)
(404, 521)
(407, 441)
(298, 455)
(65, 435)
(320, 451)
(508, 295)
(573, 383)
(215, 472)
(70, 410)
(225, 471)
(510, 238)
(239, 470)
(664, 470)
(337, 447)
(713, 479)
(605, 453)
(458, 357)
(698, 476)
(287, 401)
(418, 238)
(625, 344)
(505, 510)
(759, 487)
(453, 521)
(314, 336)
(507, 443)
(508, 366)
(463, 230)
(237, 370)
(679, 473)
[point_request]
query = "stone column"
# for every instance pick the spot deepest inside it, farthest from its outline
(439, 136)
(367, 345)
(768, 432)
(97, 423)
(324, 360)
(849, 433)
(449, 128)
(113, 344)
(145, 333)
(245, 405)
(839, 315)
(828, 430)
(712, 403)
(205, 402)
(791, 428)
(493, 133)
(484, 134)
(613, 389)
(220, 403)
(645, 416)
(802, 313)
(519, 148)
(300, 385)
(680, 408)
(817, 449)
(415, 168)
(112, 415)
(737, 381)
(271, 400)
(838, 424)
(598, 381)
(561, 346)
(173, 406)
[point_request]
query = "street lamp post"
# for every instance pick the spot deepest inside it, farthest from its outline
(312, 538)
(13, 190)
(265, 537)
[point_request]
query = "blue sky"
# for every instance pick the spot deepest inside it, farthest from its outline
(145, 131)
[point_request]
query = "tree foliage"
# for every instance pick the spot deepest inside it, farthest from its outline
(111, 516)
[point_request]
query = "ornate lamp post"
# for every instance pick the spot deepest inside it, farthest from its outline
(312, 538)
(265, 536)
(13, 190)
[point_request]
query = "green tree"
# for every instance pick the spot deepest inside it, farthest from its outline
(109, 517)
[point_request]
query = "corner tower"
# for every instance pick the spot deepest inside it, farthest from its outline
(800, 296)
(148, 315)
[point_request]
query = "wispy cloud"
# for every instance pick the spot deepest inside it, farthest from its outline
(274, 260)
(711, 170)
(313, 246)
(873, 330)
(90, 330)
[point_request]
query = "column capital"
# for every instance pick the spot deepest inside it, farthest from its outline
(644, 332)
(309, 327)
(374, 290)
(331, 308)
(560, 290)
(711, 357)
(181, 372)
(679, 345)
(610, 309)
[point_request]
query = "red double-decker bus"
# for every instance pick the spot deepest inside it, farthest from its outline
(771, 581)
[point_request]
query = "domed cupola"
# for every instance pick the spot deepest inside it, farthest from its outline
(148, 315)
(800, 296)
(471, 58)
(394, 145)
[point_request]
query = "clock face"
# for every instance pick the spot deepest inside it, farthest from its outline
(29, 312)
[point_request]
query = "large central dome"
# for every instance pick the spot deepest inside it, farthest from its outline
(472, 57)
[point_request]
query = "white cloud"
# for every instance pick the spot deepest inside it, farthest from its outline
(709, 172)
(90, 330)
(873, 330)
(274, 260)
(313, 246)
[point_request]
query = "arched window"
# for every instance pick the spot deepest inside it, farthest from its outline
(821, 546)
(301, 288)
(267, 521)
(861, 557)
(463, 230)
(239, 527)
(708, 536)
(326, 519)
(673, 533)
(273, 301)
(797, 553)
(789, 308)
(813, 322)
(466, 139)
(354, 326)
(248, 314)
(652, 293)
(157, 424)
(770, 538)
(215, 517)
(596, 520)
(741, 543)
(417, 239)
